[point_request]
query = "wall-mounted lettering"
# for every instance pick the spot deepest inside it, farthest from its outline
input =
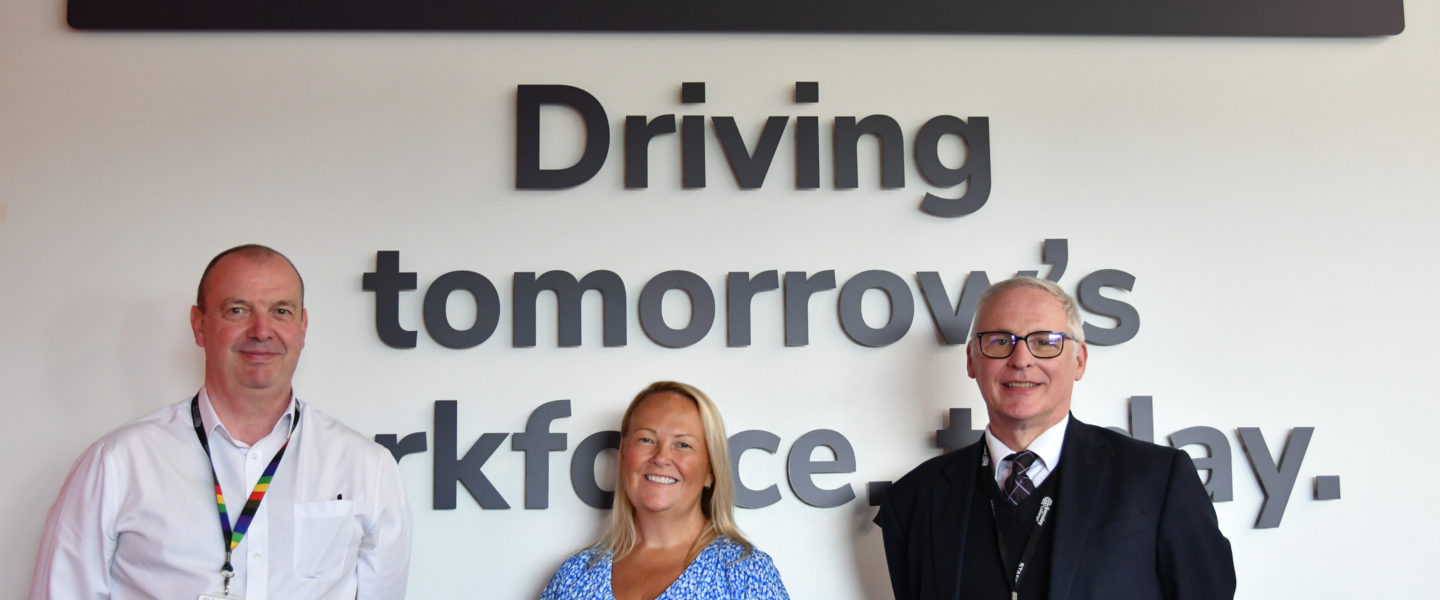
(967, 184)
(796, 292)
(836, 456)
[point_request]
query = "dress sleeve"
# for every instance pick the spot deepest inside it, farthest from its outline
(758, 578)
(565, 582)
(80, 534)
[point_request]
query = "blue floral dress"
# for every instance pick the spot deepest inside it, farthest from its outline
(719, 573)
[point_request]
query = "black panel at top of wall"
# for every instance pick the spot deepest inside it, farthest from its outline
(1122, 17)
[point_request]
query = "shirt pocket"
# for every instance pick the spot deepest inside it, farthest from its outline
(325, 537)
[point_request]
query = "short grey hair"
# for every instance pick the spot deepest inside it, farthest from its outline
(1067, 302)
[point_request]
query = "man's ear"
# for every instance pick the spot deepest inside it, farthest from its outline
(304, 324)
(1081, 356)
(197, 318)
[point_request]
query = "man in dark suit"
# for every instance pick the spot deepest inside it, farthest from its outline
(1005, 518)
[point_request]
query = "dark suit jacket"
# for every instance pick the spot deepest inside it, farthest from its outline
(1132, 520)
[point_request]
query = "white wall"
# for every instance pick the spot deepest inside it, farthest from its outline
(1275, 199)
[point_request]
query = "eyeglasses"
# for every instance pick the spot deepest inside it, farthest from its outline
(1042, 344)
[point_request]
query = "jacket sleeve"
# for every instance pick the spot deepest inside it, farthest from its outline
(1193, 558)
(893, 526)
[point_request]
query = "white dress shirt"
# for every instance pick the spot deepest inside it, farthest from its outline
(1046, 447)
(137, 517)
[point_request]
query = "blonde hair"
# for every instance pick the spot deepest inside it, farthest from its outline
(717, 502)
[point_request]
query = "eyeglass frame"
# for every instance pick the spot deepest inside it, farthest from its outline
(1016, 338)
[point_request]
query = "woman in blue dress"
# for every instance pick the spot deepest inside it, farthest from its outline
(672, 532)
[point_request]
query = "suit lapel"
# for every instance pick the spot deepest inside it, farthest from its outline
(1086, 462)
(951, 526)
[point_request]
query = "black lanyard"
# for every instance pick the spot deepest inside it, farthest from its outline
(231, 538)
(1047, 504)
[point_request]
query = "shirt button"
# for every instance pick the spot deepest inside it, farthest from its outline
(256, 556)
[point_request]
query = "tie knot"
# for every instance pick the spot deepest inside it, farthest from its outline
(1022, 460)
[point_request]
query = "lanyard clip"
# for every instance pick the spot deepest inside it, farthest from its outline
(226, 572)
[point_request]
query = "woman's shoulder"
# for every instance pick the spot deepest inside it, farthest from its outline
(585, 559)
(734, 555)
(749, 572)
(583, 575)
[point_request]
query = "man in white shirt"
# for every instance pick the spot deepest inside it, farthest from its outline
(306, 507)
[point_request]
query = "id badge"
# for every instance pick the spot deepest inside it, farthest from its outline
(218, 596)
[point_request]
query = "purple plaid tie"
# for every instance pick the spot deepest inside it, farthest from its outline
(1018, 486)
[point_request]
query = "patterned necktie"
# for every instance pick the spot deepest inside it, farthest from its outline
(1018, 486)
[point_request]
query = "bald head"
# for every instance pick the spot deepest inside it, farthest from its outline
(255, 253)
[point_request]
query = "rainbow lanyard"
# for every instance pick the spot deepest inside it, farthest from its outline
(231, 538)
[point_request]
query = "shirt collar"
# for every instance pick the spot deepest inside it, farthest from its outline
(212, 421)
(1047, 446)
